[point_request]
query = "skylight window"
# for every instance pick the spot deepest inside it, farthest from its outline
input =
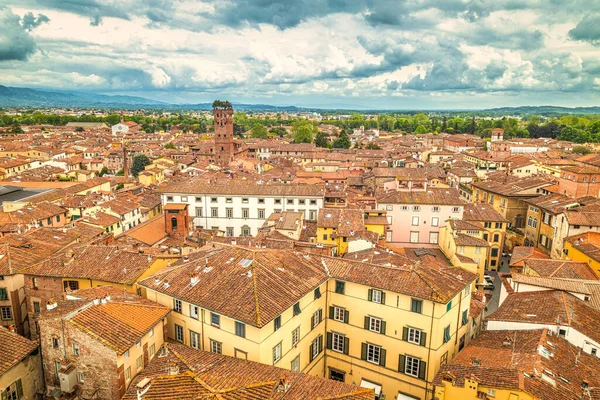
(245, 262)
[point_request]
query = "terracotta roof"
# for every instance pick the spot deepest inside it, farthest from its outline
(103, 263)
(462, 239)
(512, 186)
(513, 360)
(550, 307)
(482, 212)
(119, 325)
(521, 253)
(203, 375)
(431, 196)
(240, 187)
(13, 349)
(150, 232)
(588, 243)
(561, 269)
(568, 285)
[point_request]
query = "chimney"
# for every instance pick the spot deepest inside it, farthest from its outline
(194, 278)
(475, 361)
(142, 387)
(173, 368)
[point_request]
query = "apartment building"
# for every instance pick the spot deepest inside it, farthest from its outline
(95, 342)
(507, 195)
(385, 328)
(543, 215)
(414, 218)
(493, 227)
(241, 209)
(20, 367)
(462, 242)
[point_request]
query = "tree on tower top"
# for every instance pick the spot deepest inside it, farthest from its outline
(222, 105)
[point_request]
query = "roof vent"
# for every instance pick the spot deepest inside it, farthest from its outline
(173, 368)
(194, 279)
(166, 284)
(475, 361)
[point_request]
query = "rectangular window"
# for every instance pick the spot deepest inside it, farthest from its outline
(194, 311)
(376, 296)
(416, 306)
(198, 199)
(151, 333)
(75, 347)
(245, 213)
(261, 201)
(449, 306)
(128, 374)
(297, 309)
(214, 212)
(435, 221)
(213, 200)
(496, 237)
(339, 314)
(80, 377)
(229, 212)
(456, 209)
(3, 294)
(152, 350)
(414, 336)
(316, 318)
(435, 209)
(276, 353)
(373, 353)
(6, 313)
(494, 252)
(215, 320)
(277, 322)
(416, 208)
(72, 285)
(179, 333)
(340, 287)
(198, 211)
(414, 237)
(126, 354)
(36, 307)
(215, 347)
(139, 363)
(317, 293)
(295, 336)
(465, 317)
(261, 214)
(415, 221)
(412, 366)
(337, 342)
(194, 340)
(375, 324)
(240, 329)
(295, 367)
(316, 347)
(447, 336)
(177, 305)
(434, 237)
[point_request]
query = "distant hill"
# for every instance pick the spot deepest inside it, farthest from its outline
(25, 97)
(543, 110)
(34, 98)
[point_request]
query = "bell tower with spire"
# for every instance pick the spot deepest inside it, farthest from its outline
(223, 148)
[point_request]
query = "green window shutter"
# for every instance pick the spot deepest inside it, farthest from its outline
(320, 343)
(3, 295)
(465, 317)
(312, 321)
(4, 395)
(382, 357)
(310, 353)
(320, 315)
(405, 334)
(346, 345)
(331, 312)
(383, 327)
(346, 316)
(401, 363)
(370, 294)
(19, 388)
(423, 339)
(382, 297)
(367, 320)
(422, 369)
(363, 351)
(329, 340)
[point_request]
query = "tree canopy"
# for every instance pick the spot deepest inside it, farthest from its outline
(303, 131)
(259, 131)
(139, 163)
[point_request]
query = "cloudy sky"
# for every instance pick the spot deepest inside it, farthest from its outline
(327, 53)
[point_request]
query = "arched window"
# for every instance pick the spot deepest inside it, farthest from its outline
(535, 221)
(529, 221)
(173, 224)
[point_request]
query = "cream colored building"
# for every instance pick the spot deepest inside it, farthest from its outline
(385, 328)
(20, 367)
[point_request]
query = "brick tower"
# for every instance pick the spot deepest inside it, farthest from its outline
(223, 136)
